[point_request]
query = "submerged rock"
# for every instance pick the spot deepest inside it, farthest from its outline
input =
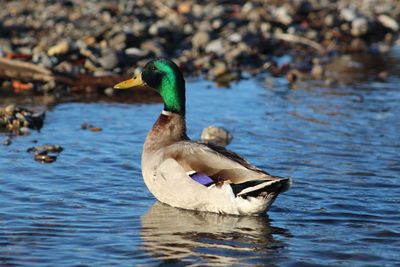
(216, 135)
(45, 153)
(18, 120)
(7, 141)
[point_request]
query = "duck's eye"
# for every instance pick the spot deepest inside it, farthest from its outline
(153, 68)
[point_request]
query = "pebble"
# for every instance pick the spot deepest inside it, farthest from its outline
(24, 131)
(136, 52)
(389, 22)
(7, 141)
(96, 129)
(46, 148)
(200, 39)
(85, 126)
(59, 49)
(45, 153)
(359, 26)
(90, 127)
(45, 158)
(282, 14)
(109, 92)
(109, 61)
(215, 46)
(216, 135)
(348, 14)
(219, 68)
(317, 71)
(44, 60)
(383, 75)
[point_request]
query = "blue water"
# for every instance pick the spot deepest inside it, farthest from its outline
(339, 144)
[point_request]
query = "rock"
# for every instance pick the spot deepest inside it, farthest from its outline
(44, 60)
(348, 14)
(46, 149)
(154, 46)
(138, 28)
(304, 8)
(235, 37)
(282, 15)
(88, 126)
(92, 65)
(103, 73)
(109, 92)
(7, 141)
(200, 39)
(359, 26)
(5, 46)
(215, 46)
(217, 24)
(24, 131)
(49, 86)
(219, 68)
(383, 75)
(389, 22)
(10, 109)
(188, 29)
(85, 126)
(330, 20)
(136, 52)
(216, 135)
(317, 71)
(358, 45)
(110, 60)
(292, 76)
(44, 158)
(118, 41)
(59, 49)
(96, 129)
(159, 28)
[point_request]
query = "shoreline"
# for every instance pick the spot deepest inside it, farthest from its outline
(76, 47)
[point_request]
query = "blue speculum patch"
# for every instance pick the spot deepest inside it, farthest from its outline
(202, 179)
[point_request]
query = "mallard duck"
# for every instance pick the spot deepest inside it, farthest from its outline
(191, 175)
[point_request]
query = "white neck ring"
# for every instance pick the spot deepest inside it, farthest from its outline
(166, 112)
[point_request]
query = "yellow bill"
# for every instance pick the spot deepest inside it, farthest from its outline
(135, 81)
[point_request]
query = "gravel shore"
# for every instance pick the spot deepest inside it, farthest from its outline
(218, 39)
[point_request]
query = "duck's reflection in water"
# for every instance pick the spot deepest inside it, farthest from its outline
(199, 238)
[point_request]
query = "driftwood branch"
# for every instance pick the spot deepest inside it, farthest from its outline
(29, 72)
(24, 71)
(298, 39)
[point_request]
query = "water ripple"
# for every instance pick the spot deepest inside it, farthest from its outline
(91, 207)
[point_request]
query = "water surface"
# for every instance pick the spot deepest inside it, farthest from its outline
(339, 144)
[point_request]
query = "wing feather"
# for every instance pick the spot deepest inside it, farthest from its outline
(215, 161)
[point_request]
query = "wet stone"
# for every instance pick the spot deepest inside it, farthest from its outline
(109, 61)
(95, 129)
(109, 92)
(45, 153)
(90, 127)
(19, 120)
(216, 135)
(85, 126)
(7, 141)
(45, 158)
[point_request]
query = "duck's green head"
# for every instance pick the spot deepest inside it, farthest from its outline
(165, 77)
